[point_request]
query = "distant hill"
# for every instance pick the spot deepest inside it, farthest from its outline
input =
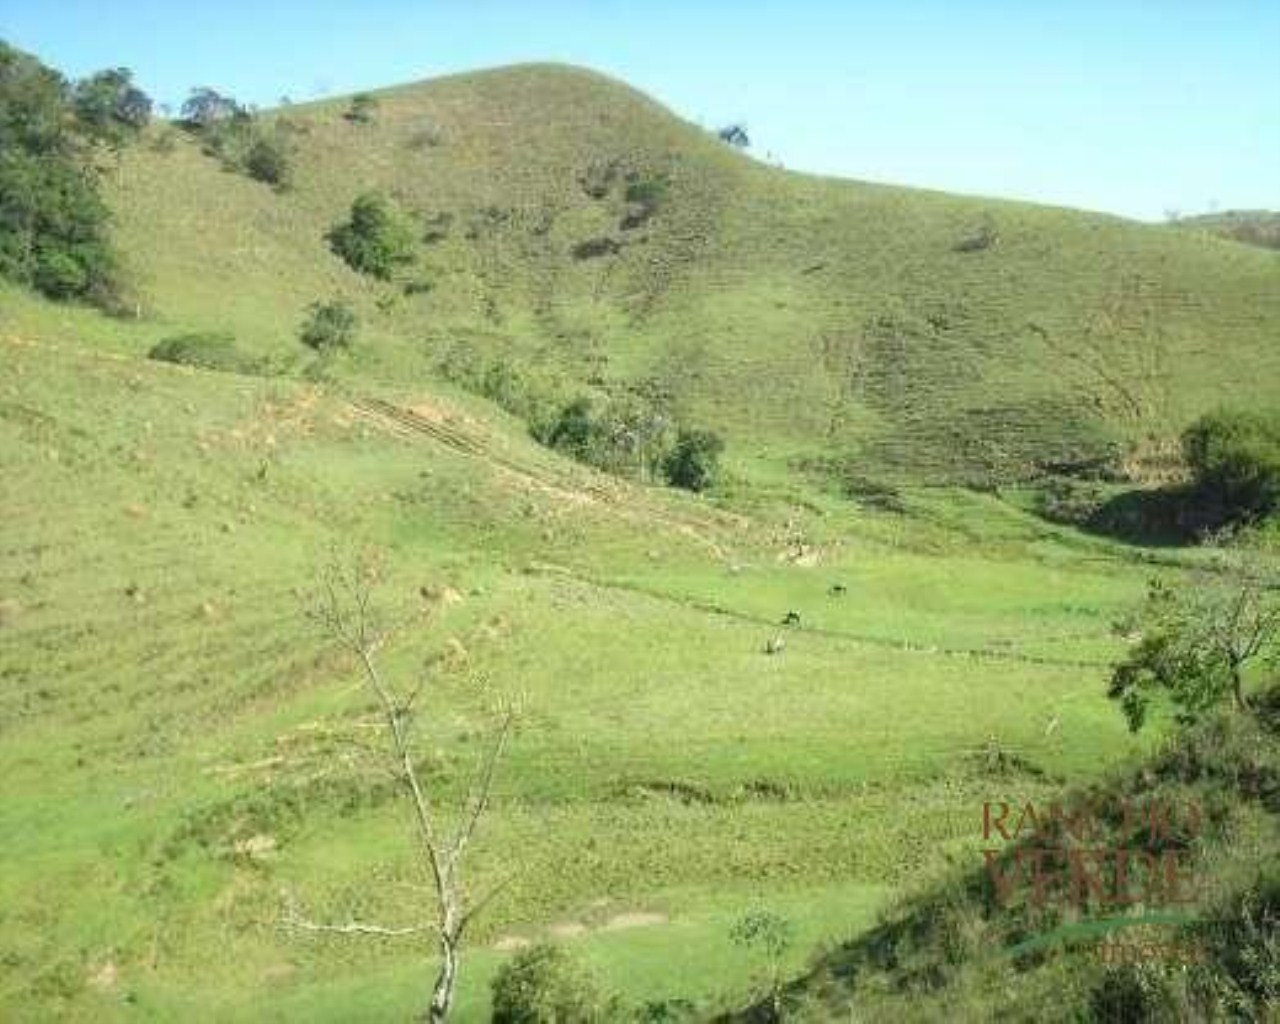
(1253, 227)
(812, 320)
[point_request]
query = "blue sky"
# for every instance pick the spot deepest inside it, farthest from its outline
(1131, 107)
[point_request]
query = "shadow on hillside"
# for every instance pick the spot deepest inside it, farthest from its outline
(1152, 518)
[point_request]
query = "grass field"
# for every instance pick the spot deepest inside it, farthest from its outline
(183, 753)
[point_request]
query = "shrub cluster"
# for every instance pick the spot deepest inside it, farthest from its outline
(240, 139)
(377, 239)
(329, 326)
(631, 435)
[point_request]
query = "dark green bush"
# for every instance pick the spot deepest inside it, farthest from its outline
(645, 195)
(267, 160)
(694, 462)
(1234, 457)
(546, 984)
(362, 109)
(377, 239)
(329, 326)
(209, 350)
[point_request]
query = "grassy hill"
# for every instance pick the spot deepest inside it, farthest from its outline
(183, 754)
(914, 332)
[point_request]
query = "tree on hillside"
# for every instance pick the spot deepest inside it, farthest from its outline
(377, 239)
(1193, 644)
(53, 222)
(111, 108)
(735, 135)
(206, 106)
(344, 608)
(694, 462)
(329, 325)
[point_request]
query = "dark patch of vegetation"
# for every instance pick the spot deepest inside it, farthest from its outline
(1070, 502)
(377, 240)
(694, 461)
(594, 248)
(644, 195)
(329, 326)
(436, 227)
(599, 177)
(204, 107)
(984, 236)
(267, 160)
(548, 984)
(208, 350)
(363, 108)
(53, 222)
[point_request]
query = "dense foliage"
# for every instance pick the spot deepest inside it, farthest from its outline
(53, 223)
(329, 326)
(1235, 459)
(377, 239)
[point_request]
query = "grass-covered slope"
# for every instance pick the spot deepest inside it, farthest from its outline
(916, 331)
(181, 749)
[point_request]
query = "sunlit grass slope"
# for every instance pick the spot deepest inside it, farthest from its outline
(917, 332)
(165, 701)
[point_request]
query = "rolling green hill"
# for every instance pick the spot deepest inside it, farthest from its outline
(941, 337)
(183, 754)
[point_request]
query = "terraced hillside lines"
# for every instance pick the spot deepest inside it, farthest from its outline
(414, 423)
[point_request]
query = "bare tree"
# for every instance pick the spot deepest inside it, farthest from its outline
(343, 607)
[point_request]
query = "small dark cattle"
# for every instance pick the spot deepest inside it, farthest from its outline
(837, 590)
(791, 619)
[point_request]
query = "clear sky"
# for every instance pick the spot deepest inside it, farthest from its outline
(1132, 106)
